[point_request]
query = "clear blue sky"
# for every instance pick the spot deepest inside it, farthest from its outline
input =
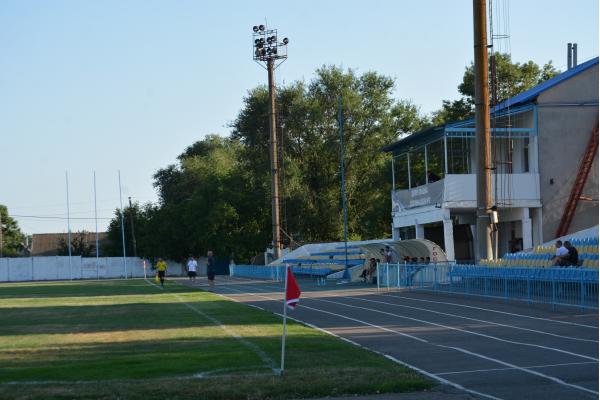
(109, 85)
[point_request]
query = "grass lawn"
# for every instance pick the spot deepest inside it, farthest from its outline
(131, 340)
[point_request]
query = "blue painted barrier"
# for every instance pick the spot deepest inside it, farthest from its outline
(556, 286)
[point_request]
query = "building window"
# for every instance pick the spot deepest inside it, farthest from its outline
(401, 172)
(459, 155)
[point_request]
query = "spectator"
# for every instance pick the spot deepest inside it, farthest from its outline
(365, 272)
(387, 255)
(561, 252)
(431, 177)
(573, 256)
(210, 270)
(422, 260)
(372, 269)
(192, 265)
(427, 260)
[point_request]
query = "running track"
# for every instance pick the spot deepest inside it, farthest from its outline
(488, 348)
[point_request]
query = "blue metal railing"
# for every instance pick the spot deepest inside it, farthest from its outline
(556, 286)
(274, 273)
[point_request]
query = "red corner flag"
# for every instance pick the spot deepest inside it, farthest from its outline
(292, 291)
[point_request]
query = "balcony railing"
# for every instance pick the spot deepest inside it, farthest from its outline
(460, 191)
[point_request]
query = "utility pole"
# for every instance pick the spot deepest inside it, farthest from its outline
(267, 49)
(482, 136)
(132, 228)
(1, 237)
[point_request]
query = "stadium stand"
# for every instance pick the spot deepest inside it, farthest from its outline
(541, 256)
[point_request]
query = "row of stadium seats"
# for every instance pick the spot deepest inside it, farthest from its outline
(542, 255)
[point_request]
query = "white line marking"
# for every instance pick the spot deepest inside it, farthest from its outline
(392, 358)
(464, 317)
(257, 350)
(499, 312)
(523, 369)
(459, 329)
(478, 320)
(508, 369)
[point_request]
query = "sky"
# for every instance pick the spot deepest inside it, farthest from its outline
(127, 85)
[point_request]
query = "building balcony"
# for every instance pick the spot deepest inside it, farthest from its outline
(460, 191)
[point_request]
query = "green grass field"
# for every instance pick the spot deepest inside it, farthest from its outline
(129, 339)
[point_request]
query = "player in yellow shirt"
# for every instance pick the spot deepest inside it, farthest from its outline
(161, 266)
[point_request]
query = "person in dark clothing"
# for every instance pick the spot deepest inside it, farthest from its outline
(573, 256)
(210, 269)
(431, 177)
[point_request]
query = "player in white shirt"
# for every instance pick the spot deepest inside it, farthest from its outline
(192, 265)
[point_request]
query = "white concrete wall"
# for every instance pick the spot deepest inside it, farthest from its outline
(59, 268)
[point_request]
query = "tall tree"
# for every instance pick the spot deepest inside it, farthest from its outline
(13, 240)
(217, 195)
(512, 79)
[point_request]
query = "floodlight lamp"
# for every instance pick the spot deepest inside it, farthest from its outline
(255, 28)
(274, 50)
(285, 41)
(263, 52)
(257, 53)
(261, 28)
(256, 41)
(269, 51)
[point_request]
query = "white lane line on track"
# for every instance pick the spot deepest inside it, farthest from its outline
(257, 350)
(484, 309)
(491, 359)
(392, 358)
(476, 319)
(499, 312)
(461, 316)
(539, 346)
(508, 369)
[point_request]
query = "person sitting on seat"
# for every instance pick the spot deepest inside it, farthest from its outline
(561, 252)
(572, 258)
(431, 177)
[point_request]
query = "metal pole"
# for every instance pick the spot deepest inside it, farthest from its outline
(1, 238)
(122, 226)
(69, 227)
(274, 162)
(426, 167)
(342, 167)
(132, 228)
(393, 176)
(482, 118)
(96, 219)
(284, 321)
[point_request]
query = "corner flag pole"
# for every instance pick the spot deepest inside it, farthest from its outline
(284, 320)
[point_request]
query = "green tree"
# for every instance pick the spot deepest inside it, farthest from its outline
(80, 246)
(511, 79)
(13, 240)
(218, 194)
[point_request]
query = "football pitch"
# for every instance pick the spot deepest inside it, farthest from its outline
(130, 339)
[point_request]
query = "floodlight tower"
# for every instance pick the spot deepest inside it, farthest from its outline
(270, 53)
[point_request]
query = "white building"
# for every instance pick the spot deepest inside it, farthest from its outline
(539, 138)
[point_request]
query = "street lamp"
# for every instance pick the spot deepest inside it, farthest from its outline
(270, 53)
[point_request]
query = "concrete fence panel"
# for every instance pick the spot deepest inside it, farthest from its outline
(4, 277)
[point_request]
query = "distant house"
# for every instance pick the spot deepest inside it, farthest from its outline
(48, 244)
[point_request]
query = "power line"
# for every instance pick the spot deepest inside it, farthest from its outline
(55, 217)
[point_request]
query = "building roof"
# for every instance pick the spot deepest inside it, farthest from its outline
(47, 244)
(430, 134)
(534, 92)
(419, 138)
